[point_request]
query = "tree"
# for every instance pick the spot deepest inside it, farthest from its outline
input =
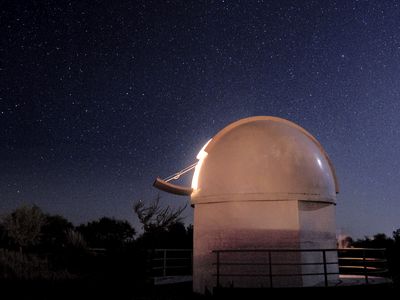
(3, 237)
(163, 227)
(396, 235)
(74, 240)
(179, 236)
(24, 225)
(155, 218)
(54, 232)
(107, 233)
(379, 240)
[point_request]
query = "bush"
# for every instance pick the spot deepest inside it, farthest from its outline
(21, 266)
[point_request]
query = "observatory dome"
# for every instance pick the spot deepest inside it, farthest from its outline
(263, 158)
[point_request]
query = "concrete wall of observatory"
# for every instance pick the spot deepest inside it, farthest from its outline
(262, 225)
(243, 225)
(318, 231)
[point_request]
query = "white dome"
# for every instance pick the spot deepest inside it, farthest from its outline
(263, 158)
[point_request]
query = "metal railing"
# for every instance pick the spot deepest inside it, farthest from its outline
(364, 262)
(171, 262)
(361, 262)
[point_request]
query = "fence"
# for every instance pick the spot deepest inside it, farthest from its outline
(361, 262)
(364, 262)
(171, 262)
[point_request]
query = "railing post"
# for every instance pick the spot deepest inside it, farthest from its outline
(165, 262)
(270, 269)
(325, 268)
(365, 268)
(217, 269)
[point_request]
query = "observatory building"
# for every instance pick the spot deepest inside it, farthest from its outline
(262, 183)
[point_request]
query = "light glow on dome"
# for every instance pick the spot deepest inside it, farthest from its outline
(200, 156)
(319, 163)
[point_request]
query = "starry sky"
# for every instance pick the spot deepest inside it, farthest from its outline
(97, 98)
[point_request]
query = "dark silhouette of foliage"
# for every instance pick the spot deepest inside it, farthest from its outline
(74, 241)
(396, 235)
(163, 227)
(153, 217)
(107, 233)
(23, 226)
(379, 240)
(178, 236)
(54, 232)
(4, 240)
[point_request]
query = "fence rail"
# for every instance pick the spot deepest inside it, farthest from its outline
(362, 261)
(171, 262)
(365, 262)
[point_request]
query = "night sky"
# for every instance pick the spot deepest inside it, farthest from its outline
(97, 98)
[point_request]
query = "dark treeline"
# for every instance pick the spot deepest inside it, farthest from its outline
(37, 246)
